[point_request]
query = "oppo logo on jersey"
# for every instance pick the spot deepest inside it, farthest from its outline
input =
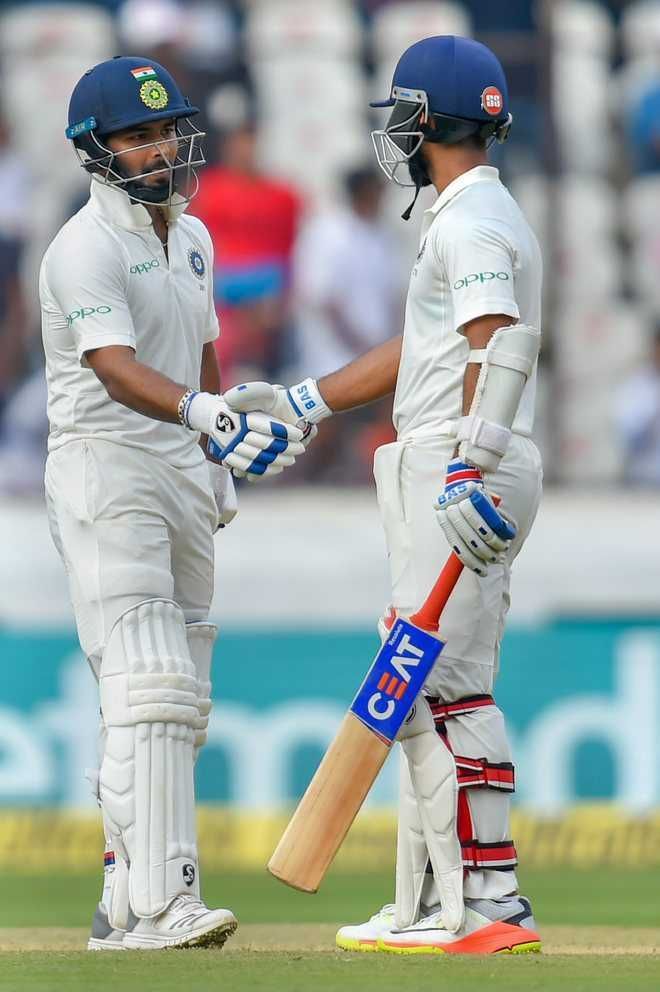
(480, 277)
(86, 312)
(147, 266)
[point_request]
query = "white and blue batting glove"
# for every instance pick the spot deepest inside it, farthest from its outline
(472, 524)
(301, 405)
(252, 444)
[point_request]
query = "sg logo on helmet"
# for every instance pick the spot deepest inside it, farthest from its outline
(86, 312)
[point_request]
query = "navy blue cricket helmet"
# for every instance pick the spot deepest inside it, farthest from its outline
(121, 93)
(458, 82)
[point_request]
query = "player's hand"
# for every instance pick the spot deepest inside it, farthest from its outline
(224, 493)
(301, 405)
(473, 526)
(252, 444)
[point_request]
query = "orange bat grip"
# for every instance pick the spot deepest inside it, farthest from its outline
(428, 614)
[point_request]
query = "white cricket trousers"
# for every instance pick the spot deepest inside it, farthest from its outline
(129, 527)
(409, 477)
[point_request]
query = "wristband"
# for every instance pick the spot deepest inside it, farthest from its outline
(184, 406)
(306, 400)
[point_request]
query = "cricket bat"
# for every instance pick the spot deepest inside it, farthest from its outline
(352, 762)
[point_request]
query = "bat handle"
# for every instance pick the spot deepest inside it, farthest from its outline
(428, 615)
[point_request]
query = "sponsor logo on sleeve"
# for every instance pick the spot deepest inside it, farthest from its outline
(480, 277)
(85, 312)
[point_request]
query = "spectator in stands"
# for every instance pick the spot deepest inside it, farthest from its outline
(347, 281)
(644, 131)
(637, 415)
(14, 202)
(253, 220)
(348, 297)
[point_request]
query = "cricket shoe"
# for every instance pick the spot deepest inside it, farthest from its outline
(364, 936)
(186, 922)
(492, 926)
(103, 937)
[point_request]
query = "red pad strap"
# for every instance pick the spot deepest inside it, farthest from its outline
(498, 857)
(480, 772)
(444, 711)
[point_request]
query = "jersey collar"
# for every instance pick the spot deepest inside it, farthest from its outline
(479, 174)
(115, 205)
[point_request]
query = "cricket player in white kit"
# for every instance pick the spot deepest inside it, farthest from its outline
(133, 389)
(464, 379)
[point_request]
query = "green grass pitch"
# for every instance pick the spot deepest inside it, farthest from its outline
(601, 931)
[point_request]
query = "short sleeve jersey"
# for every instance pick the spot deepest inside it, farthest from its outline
(106, 280)
(477, 256)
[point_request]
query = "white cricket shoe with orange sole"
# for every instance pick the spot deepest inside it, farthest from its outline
(186, 922)
(492, 926)
(364, 936)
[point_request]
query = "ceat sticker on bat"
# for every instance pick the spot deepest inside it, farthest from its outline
(492, 101)
(396, 677)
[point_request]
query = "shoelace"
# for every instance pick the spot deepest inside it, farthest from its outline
(387, 909)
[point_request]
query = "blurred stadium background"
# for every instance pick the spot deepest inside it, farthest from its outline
(311, 267)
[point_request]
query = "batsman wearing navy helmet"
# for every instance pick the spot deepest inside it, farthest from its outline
(463, 376)
(129, 322)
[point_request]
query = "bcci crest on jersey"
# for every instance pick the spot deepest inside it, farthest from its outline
(196, 262)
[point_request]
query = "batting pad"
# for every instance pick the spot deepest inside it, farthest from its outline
(201, 638)
(148, 689)
(433, 776)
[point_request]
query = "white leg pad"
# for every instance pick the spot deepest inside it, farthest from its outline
(411, 853)
(433, 776)
(201, 638)
(149, 702)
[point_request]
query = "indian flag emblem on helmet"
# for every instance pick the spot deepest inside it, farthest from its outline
(154, 95)
(144, 72)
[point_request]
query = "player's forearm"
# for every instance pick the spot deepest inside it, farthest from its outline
(209, 378)
(137, 386)
(209, 381)
(365, 380)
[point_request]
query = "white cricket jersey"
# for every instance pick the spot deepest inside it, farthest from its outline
(105, 280)
(478, 256)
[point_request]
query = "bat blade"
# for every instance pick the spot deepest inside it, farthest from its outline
(353, 760)
(330, 804)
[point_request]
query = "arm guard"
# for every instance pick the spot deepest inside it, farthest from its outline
(506, 365)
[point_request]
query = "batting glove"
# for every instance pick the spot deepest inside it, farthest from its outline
(472, 524)
(224, 493)
(252, 444)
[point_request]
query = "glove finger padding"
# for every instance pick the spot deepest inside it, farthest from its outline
(264, 456)
(495, 530)
(261, 423)
(459, 546)
(251, 396)
(468, 532)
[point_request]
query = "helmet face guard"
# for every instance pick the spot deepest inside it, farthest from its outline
(407, 128)
(181, 156)
(402, 137)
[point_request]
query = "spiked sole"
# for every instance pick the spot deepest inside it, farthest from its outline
(498, 938)
(216, 937)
